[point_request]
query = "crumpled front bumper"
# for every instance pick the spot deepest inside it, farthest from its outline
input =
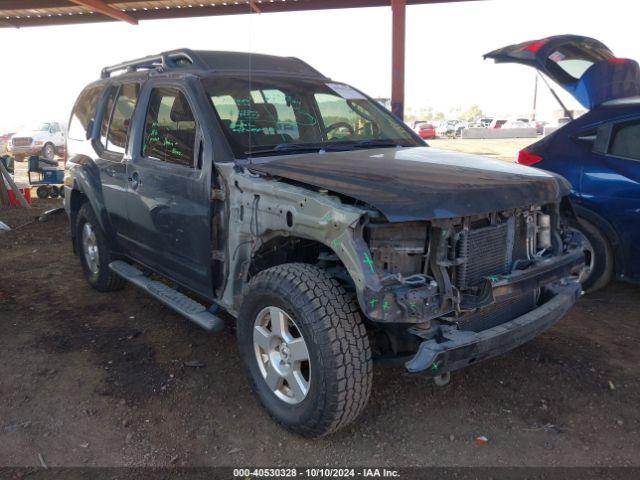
(458, 349)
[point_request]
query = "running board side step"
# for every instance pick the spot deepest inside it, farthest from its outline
(179, 302)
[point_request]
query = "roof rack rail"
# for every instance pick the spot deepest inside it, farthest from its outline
(161, 61)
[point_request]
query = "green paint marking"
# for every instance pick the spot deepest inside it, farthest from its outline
(435, 366)
(335, 243)
(373, 302)
(413, 305)
(386, 305)
(444, 232)
(369, 261)
(326, 218)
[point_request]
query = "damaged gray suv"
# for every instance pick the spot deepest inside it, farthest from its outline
(332, 234)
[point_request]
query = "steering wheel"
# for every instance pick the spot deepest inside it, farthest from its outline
(337, 125)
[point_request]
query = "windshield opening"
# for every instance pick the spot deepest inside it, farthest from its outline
(271, 115)
(39, 127)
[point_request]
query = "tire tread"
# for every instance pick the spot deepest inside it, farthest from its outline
(337, 328)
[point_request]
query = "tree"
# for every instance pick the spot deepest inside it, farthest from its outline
(472, 113)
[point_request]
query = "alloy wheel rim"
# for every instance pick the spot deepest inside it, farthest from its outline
(90, 248)
(282, 355)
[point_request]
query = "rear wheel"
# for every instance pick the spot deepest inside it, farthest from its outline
(305, 349)
(94, 252)
(598, 255)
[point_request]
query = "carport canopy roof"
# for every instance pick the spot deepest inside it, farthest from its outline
(33, 13)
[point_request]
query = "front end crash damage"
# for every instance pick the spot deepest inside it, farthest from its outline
(472, 287)
(440, 293)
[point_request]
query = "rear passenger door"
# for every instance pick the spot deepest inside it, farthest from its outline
(611, 184)
(115, 120)
(168, 201)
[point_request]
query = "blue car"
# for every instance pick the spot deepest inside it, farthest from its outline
(599, 152)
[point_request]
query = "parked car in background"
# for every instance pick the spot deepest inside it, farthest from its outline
(344, 240)
(497, 122)
(485, 121)
(45, 139)
(517, 123)
(599, 152)
(540, 124)
(448, 128)
(426, 131)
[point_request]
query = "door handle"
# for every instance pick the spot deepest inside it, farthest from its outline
(135, 181)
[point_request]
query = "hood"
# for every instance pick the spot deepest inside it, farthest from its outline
(583, 66)
(420, 183)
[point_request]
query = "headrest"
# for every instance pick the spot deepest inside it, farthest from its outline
(180, 110)
(266, 112)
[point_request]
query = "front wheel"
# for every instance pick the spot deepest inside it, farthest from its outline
(49, 151)
(305, 349)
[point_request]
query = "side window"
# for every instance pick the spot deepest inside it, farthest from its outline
(83, 112)
(170, 128)
(120, 120)
(106, 118)
(625, 140)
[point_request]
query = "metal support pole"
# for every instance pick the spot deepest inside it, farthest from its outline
(398, 12)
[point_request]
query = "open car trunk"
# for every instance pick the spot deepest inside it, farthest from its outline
(583, 66)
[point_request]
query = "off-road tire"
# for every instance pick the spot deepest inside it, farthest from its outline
(340, 356)
(603, 265)
(105, 280)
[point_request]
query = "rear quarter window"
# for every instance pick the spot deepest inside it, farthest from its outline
(625, 140)
(83, 112)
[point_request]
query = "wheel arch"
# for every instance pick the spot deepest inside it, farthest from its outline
(280, 249)
(86, 188)
(607, 230)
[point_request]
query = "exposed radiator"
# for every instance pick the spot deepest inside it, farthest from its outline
(487, 250)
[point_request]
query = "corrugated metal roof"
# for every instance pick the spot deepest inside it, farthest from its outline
(27, 13)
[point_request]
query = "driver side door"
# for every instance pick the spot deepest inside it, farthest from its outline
(168, 199)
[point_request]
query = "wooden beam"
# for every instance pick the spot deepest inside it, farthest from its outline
(254, 7)
(398, 34)
(196, 11)
(101, 7)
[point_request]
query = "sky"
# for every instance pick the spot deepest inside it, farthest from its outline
(44, 69)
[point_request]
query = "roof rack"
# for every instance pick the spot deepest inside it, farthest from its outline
(162, 61)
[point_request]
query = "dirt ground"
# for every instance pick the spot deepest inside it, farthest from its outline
(503, 148)
(102, 379)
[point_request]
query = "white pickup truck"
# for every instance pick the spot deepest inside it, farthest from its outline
(45, 139)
